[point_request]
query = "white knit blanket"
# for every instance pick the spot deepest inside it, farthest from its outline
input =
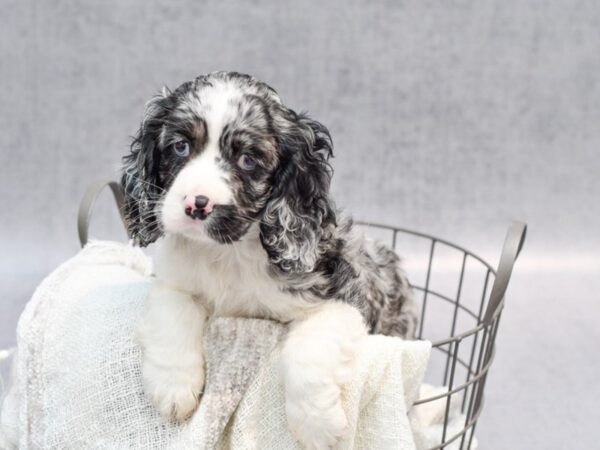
(77, 381)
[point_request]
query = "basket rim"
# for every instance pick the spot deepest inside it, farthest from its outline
(427, 236)
(481, 322)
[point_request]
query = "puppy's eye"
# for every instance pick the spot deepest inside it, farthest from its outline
(181, 149)
(247, 163)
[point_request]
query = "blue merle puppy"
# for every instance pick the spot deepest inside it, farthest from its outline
(236, 186)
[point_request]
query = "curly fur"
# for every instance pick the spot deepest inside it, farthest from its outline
(273, 245)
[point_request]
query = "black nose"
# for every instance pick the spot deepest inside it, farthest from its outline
(201, 201)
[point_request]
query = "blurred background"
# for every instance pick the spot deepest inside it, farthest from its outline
(450, 117)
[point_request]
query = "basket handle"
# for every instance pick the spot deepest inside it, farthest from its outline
(515, 237)
(89, 200)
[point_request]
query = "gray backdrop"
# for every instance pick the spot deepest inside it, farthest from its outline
(451, 117)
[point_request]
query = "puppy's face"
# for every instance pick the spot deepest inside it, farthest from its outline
(218, 160)
(220, 153)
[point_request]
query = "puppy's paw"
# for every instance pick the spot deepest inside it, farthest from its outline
(317, 362)
(317, 423)
(174, 391)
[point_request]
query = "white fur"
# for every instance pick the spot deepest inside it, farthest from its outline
(229, 280)
(171, 335)
(317, 361)
(195, 278)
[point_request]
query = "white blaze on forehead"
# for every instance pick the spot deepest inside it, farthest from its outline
(218, 105)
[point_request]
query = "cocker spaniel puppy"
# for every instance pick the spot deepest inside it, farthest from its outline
(236, 185)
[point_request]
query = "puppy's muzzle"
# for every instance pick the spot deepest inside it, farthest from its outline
(197, 207)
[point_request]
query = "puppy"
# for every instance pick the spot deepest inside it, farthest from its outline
(236, 185)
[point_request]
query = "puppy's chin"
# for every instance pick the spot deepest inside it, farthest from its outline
(223, 226)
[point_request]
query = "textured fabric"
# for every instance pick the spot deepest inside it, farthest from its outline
(78, 372)
(389, 372)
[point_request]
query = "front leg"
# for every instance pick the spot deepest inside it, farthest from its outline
(317, 361)
(170, 333)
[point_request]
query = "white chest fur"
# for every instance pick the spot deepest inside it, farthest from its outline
(229, 280)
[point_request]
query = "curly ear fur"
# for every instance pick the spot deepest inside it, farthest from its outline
(141, 179)
(299, 210)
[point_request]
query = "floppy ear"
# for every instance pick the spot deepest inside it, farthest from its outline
(140, 180)
(299, 211)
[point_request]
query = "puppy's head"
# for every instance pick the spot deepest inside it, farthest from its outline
(221, 153)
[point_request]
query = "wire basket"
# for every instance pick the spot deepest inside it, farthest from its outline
(461, 298)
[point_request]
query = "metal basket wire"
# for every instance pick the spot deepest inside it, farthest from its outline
(468, 347)
(462, 358)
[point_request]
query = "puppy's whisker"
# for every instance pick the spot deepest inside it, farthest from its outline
(146, 182)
